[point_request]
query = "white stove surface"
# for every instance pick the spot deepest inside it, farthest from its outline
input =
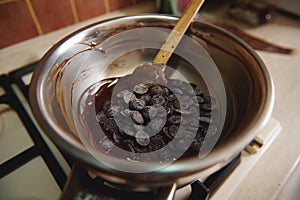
(33, 181)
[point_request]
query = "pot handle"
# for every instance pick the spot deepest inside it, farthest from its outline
(81, 186)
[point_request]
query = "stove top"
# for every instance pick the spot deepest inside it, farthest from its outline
(25, 156)
(33, 168)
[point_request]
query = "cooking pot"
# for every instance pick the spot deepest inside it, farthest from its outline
(77, 63)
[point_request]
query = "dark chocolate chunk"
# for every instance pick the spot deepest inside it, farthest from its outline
(127, 96)
(106, 106)
(142, 138)
(156, 90)
(158, 100)
(128, 130)
(157, 124)
(137, 117)
(173, 129)
(156, 142)
(150, 116)
(106, 144)
(141, 88)
(137, 104)
(149, 112)
(101, 117)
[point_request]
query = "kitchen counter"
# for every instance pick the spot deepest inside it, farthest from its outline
(268, 177)
(271, 175)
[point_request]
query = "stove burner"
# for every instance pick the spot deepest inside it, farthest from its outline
(82, 186)
(86, 186)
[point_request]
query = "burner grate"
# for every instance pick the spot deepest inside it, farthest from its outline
(213, 182)
(40, 147)
(18, 75)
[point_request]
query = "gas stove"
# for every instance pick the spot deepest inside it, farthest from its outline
(33, 168)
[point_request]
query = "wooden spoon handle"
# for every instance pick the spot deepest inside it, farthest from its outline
(178, 31)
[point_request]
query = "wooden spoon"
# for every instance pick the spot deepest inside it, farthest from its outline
(177, 32)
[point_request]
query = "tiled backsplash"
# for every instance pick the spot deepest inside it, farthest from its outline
(23, 19)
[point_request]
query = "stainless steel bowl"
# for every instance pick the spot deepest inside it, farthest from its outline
(248, 85)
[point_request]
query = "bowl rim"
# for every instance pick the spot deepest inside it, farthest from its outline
(74, 147)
